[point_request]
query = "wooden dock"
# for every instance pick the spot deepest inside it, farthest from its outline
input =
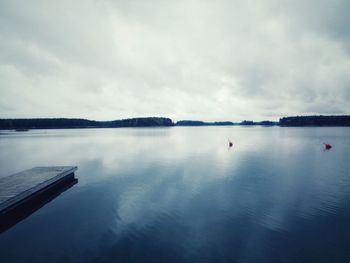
(18, 189)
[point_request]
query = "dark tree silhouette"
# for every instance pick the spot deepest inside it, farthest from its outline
(63, 123)
(343, 120)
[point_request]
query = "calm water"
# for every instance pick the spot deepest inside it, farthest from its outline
(180, 195)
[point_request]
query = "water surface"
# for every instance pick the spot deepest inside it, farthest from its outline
(180, 195)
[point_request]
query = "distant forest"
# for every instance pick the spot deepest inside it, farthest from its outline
(65, 123)
(202, 123)
(224, 123)
(316, 121)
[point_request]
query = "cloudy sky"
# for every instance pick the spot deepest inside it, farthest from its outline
(191, 59)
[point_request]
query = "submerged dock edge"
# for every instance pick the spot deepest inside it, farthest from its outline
(29, 196)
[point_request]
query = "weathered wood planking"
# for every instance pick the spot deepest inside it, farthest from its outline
(21, 187)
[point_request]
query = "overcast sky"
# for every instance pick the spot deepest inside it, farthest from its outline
(206, 60)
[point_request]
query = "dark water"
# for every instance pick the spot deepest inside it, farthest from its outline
(180, 195)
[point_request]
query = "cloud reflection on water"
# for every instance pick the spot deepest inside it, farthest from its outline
(152, 182)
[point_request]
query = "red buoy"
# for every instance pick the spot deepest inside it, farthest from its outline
(230, 144)
(327, 146)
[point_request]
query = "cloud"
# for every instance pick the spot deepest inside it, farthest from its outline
(222, 60)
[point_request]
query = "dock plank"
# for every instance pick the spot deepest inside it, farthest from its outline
(18, 187)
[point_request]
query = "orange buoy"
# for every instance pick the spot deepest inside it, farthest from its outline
(327, 146)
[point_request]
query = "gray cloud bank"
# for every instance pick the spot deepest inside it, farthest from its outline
(208, 60)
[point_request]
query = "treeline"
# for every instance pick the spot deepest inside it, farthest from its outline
(262, 123)
(343, 120)
(63, 123)
(202, 123)
(224, 123)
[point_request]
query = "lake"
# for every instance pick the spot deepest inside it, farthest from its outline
(182, 195)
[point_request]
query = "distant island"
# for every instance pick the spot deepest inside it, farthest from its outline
(262, 123)
(343, 120)
(301, 121)
(224, 123)
(202, 123)
(67, 123)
